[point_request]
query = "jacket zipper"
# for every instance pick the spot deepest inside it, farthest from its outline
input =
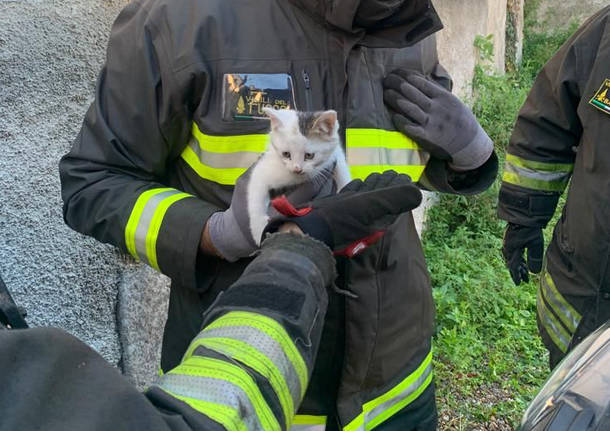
(308, 103)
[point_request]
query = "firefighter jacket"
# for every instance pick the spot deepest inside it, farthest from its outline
(563, 133)
(177, 118)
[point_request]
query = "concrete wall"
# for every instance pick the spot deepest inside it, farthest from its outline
(50, 54)
(560, 14)
(464, 20)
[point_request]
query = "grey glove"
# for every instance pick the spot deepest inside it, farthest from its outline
(437, 120)
(230, 230)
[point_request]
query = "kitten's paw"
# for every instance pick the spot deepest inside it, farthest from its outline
(257, 226)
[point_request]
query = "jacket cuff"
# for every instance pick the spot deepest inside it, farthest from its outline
(438, 176)
(526, 208)
(179, 237)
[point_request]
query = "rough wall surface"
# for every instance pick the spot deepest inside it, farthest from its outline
(464, 20)
(514, 32)
(560, 14)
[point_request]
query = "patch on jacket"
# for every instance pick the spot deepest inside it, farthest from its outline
(244, 95)
(601, 100)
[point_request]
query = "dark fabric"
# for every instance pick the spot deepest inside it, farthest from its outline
(517, 239)
(559, 124)
(165, 64)
(52, 381)
(11, 316)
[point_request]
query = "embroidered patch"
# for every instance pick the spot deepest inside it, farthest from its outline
(246, 94)
(601, 100)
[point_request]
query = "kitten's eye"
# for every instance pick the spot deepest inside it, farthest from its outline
(309, 156)
(286, 155)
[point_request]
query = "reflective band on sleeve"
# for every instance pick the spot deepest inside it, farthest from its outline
(376, 411)
(145, 220)
(562, 308)
(205, 382)
(237, 320)
(376, 150)
(223, 159)
(264, 355)
(551, 177)
(308, 423)
(556, 331)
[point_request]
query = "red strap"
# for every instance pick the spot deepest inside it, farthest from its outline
(283, 206)
(360, 245)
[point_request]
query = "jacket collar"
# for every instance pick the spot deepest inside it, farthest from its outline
(411, 22)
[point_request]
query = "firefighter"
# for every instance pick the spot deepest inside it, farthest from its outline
(157, 170)
(247, 369)
(562, 133)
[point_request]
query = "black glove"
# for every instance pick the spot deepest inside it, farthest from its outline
(437, 120)
(356, 217)
(516, 239)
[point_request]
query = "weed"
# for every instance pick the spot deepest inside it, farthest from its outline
(489, 359)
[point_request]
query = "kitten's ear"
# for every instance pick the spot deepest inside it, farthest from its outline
(275, 119)
(326, 123)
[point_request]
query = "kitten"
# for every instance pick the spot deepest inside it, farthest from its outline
(301, 145)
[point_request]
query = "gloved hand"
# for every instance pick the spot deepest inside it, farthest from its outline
(437, 120)
(356, 217)
(517, 238)
(230, 230)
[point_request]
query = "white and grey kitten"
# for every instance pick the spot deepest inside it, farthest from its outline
(301, 146)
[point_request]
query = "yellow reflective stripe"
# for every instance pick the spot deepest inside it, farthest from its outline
(251, 357)
(144, 223)
(378, 138)
(155, 227)
(309, 420)
(233, 374)
(134, 218)
(395, 399)
(539, 166)
(226, 176)
(270, 327)
(535, 184)
(361, 172)
(558, 334)
(230, 144)
(562, 308)
(224, 415)
(383, 145)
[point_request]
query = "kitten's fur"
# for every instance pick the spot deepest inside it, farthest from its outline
(301, 145)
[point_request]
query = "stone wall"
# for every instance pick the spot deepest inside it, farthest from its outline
(560, 14)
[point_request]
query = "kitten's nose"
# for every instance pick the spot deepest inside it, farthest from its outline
(297, 170)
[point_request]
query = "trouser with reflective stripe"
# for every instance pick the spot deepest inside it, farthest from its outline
(564, 319)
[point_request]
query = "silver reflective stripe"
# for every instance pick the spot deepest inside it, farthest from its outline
(550, 177)
(369, 416)
(239, 159)
(567, 314)
(145, 222)
(552, 326)
(310, 427)
(264, 344)
(359, 156)
(215, 391)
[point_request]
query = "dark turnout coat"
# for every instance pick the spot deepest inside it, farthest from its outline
(176, 119)
(562, 136)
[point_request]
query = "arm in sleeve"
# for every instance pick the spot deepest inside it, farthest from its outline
(542, 149)
(113, 177)
(250, 365)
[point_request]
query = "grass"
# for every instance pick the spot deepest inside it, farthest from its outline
(490, 361)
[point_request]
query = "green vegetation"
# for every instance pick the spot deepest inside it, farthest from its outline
(489, 359)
